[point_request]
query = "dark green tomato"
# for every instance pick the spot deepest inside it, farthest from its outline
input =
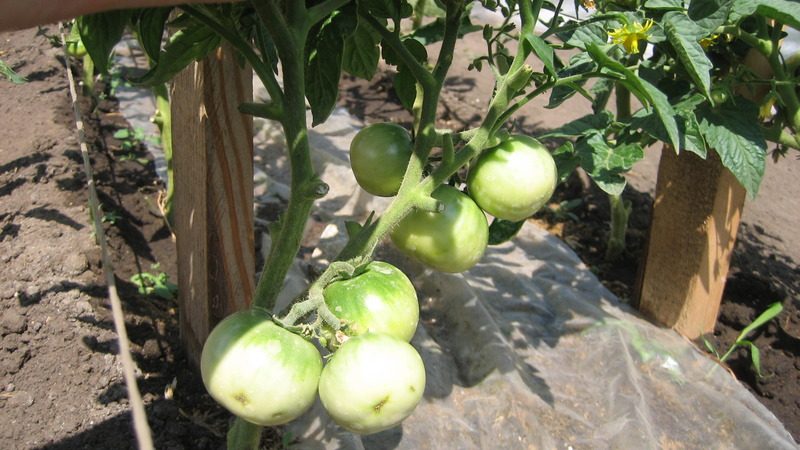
(372, 383)
(449, 241)
(379, 300)
(259, 371)
(379, 156)
(514, 179)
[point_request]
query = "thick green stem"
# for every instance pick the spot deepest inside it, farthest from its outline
(290, 40)
(620, 209)
(163, 119)
(620, 212)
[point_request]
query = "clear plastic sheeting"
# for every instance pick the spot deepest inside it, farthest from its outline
(527, 350)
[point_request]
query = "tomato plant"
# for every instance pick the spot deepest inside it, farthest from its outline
(372, 383)
(314, 42)
(381, 299)
(452, 240)
(514, 179)
(379, 155)
(259, 371)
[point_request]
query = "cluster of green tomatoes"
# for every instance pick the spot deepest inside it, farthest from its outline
(374, 379)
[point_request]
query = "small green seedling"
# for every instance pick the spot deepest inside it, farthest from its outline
(155, 284)
(741, 341)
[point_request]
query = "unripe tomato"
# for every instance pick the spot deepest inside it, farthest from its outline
(514, 179)
(259, 371)
(76, 49)
(379, 300)
(372, 383)
(379, 156)
(450, 241)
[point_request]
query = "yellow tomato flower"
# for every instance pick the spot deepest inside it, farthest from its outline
(709, 41)
(588, 4)
(630, 34)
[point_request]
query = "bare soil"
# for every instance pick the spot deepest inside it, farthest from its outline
(61, 383)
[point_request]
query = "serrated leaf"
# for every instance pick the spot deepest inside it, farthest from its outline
(150, 24)
(544, 51)
(733, 131)
(664, 4)
(784, 11)
(709, 14)
(605, 164)
(741, 9)
(588, 124)
(592, 33)
(184, 47)
(503, 230)
(100, 33)
(7, 72)
(325, 52)
(684, 35)
(361, 52)
(405, 86)
(566, 159)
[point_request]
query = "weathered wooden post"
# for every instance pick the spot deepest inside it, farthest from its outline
(213, 163)
(698, 206)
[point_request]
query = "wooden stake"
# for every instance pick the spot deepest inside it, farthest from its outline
(213, 163)
(696, 215)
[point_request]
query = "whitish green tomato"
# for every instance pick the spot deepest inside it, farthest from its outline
(450, 241)
(259, 371)
(513, 180)
(372, 383)
(379, 300)
(379, 155)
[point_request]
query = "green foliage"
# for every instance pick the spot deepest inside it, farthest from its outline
(501, 231)
(156, 283)
(7, 72)
(742, 342)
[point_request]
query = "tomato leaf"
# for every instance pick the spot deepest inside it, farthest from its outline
(184, 47)
(325, 50)
(544, 51)
(591, 123)
(434, 31)
(684, 35)
(786, 12)
(150, 24)
(664, 4)
(605, 164)
(100, 33)
(503, 230)
(733, 131)
(709, 14)
(361, 52)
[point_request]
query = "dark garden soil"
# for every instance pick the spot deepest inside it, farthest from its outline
(61, 381)
(61, 384)
(759, 276)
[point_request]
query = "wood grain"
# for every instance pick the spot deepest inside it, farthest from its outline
(213, 163)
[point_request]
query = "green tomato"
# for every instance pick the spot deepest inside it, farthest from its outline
(449, 241)
(513, 180)
(372, 383)
(379, 156)
(259, 371)
(379, 300)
